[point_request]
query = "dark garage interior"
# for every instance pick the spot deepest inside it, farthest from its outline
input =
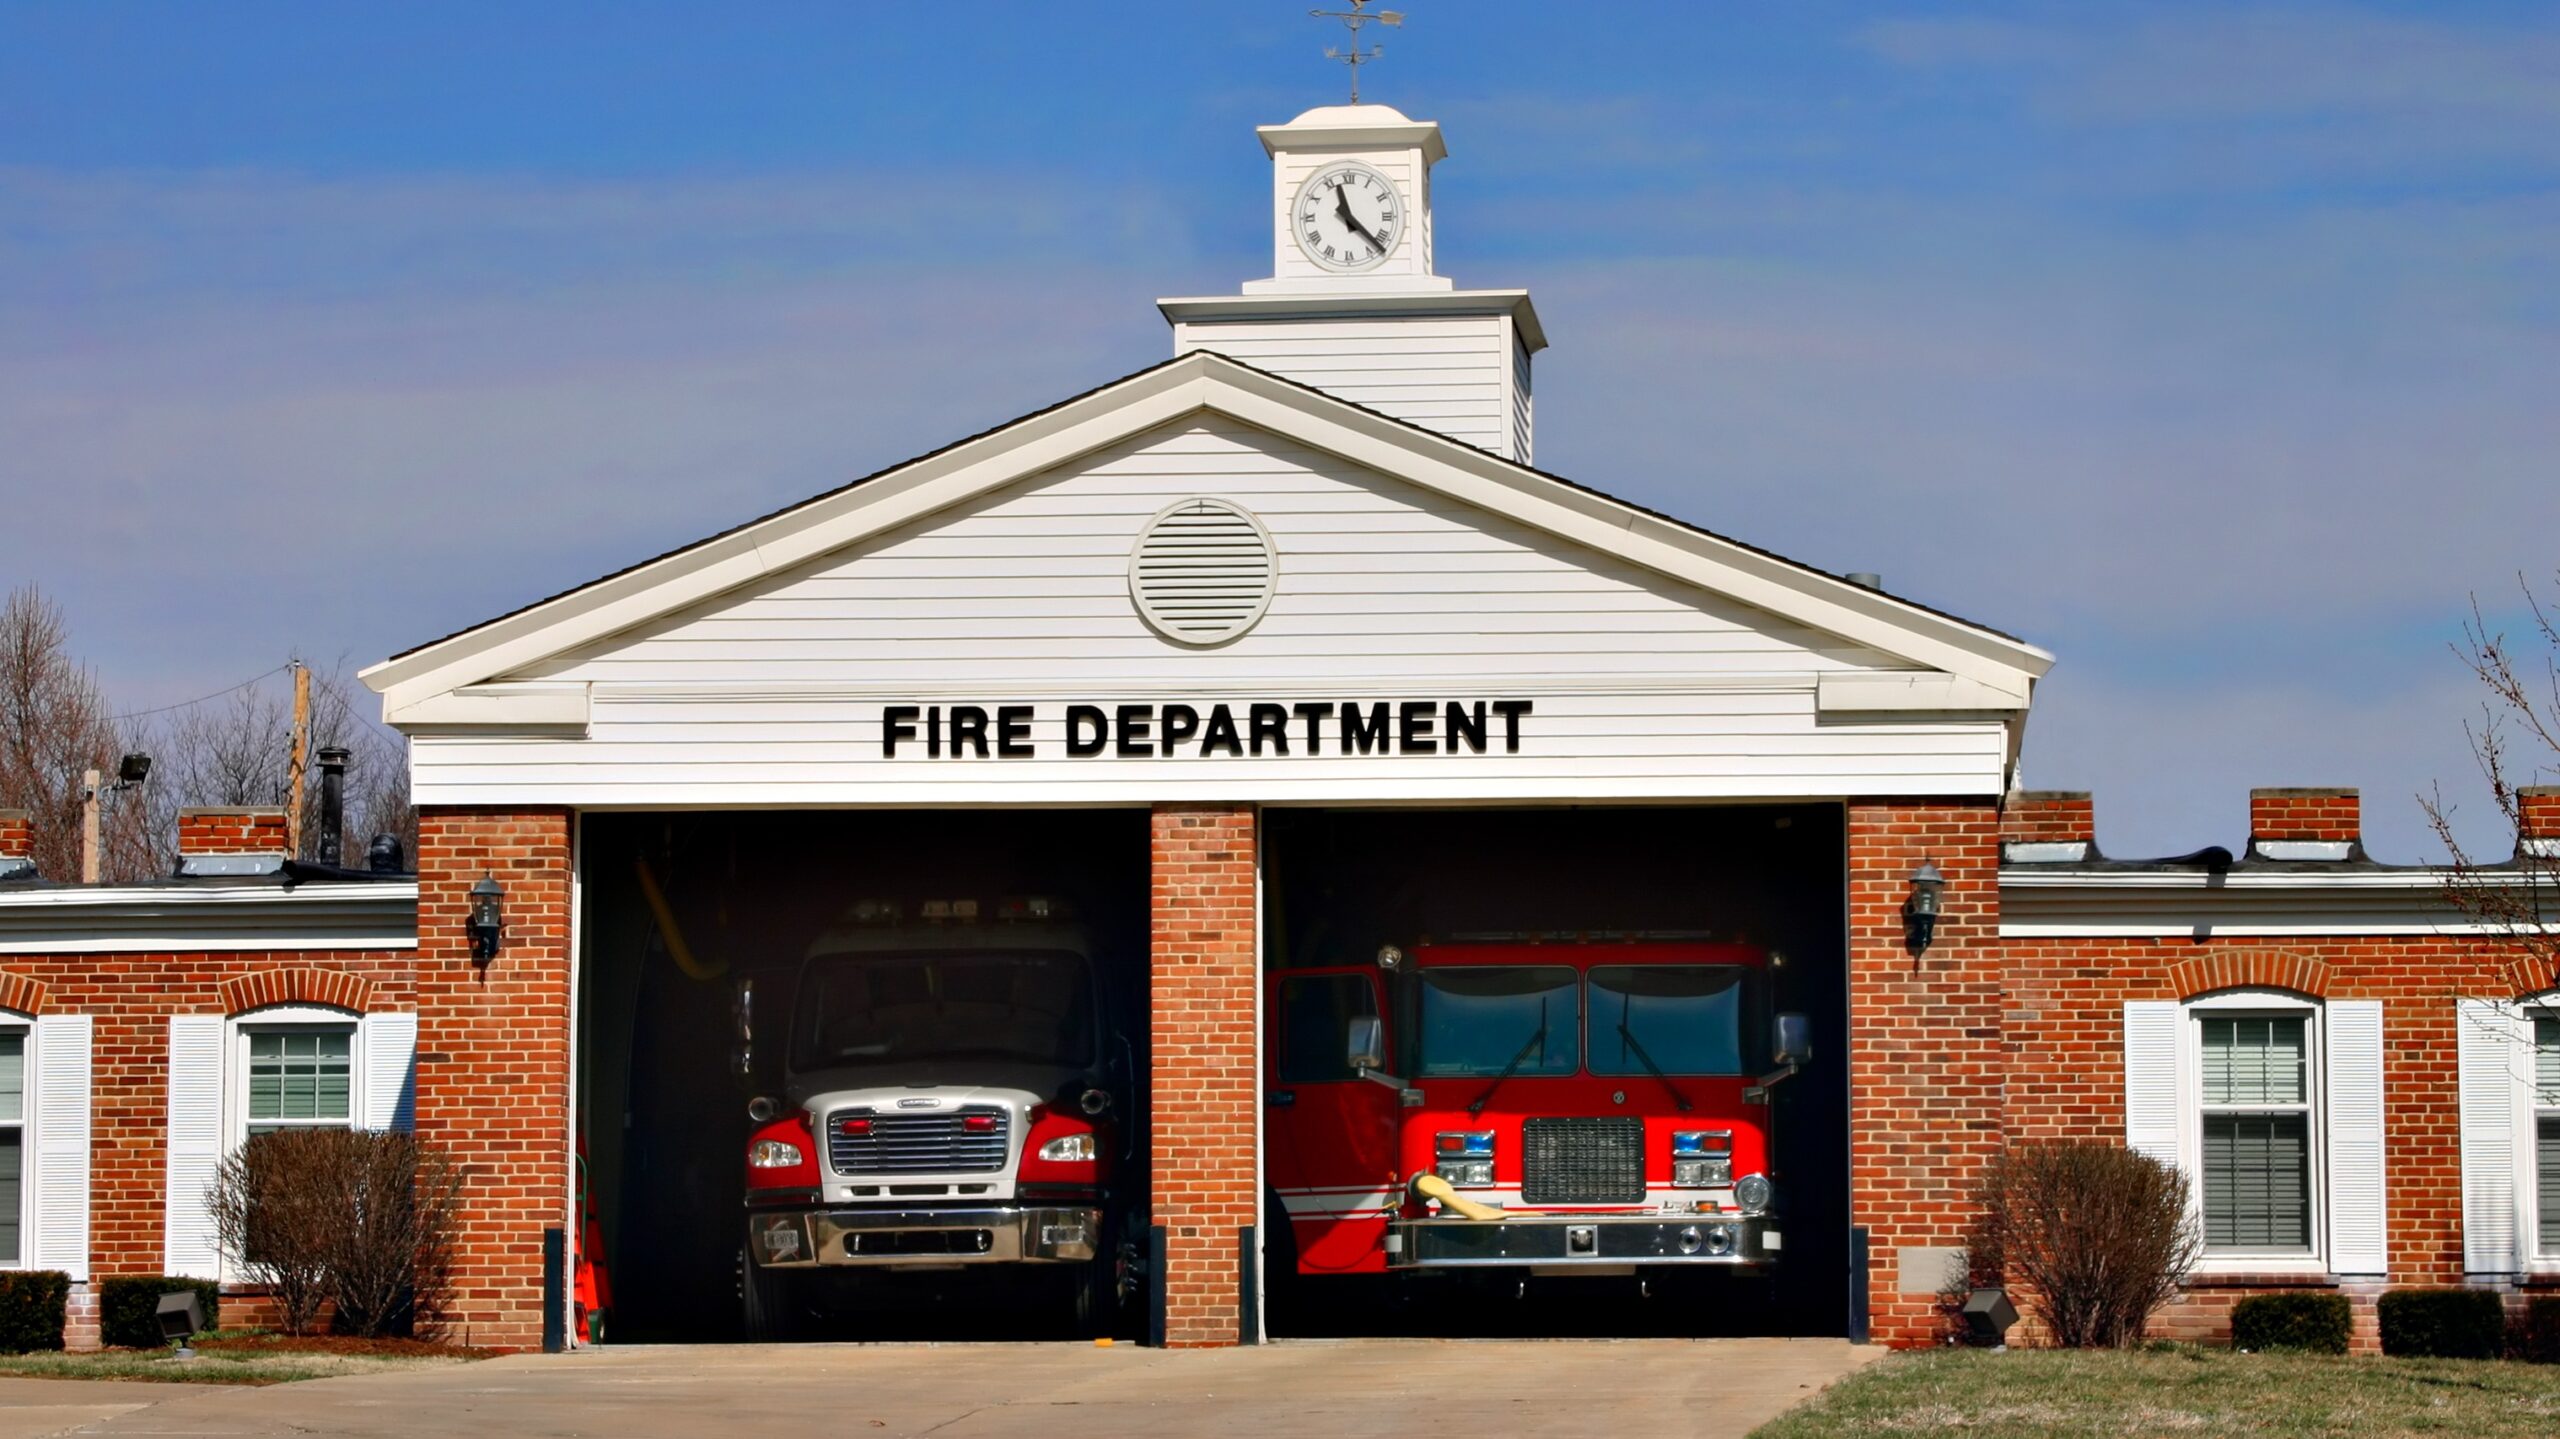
(1341, 882)
(662, 1114)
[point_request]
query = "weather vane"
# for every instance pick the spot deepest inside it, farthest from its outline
(1355, 57)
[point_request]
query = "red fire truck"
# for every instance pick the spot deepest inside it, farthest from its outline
(951, 1099)
(1575, 1106)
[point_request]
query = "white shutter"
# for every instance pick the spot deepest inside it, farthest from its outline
(390, 1071)
(61, 1116)
(2358, 1227)
(2152, 1123)
(2491, 1055)
(195, 1143)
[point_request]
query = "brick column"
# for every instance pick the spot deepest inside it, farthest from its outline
(1203, 1096)
(1925, 1061)
(493, 1054)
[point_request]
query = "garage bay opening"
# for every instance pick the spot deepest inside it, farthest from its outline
(1555, 1072)
(863, 1074)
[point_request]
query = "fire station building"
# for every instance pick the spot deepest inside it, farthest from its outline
(1275, 654)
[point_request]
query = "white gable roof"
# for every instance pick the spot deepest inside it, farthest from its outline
(1939, 662)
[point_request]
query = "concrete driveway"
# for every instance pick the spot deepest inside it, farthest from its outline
(1366, 1389)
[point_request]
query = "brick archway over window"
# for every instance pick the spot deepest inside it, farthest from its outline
(22, 994)
(2253, 970)
(326, 987)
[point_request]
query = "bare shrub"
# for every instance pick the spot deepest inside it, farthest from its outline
(2096, 1236)
(362, 1221)
(277, 1203)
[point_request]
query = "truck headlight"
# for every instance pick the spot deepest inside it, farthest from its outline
(1753, 1192)
(773, 1154)
(1466, 1173)
(1701, 1173)
(1070, 1149)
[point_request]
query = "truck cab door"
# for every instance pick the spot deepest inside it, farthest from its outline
(1329, 1134)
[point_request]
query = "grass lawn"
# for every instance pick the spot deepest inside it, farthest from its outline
(2177, 1391)
(237, 1359)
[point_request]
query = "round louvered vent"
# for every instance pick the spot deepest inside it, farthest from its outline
(1202, 572)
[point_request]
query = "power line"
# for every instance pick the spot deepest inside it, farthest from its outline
(217, 694)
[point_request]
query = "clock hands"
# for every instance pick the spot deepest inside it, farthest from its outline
(1342, 207)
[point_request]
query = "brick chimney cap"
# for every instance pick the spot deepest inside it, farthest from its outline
(2529, 791)
(2054, 796)
(2308, 791)
(231, 809)
(12, 814)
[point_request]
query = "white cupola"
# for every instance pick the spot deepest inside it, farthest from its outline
(1352, 305)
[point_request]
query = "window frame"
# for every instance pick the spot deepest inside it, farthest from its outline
(12, 1022)
(285, 1019)
(2256, 1004)
(2536, 1257)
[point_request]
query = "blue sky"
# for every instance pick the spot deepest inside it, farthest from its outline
(2215, 347)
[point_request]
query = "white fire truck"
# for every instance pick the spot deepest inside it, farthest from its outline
(955, 1093)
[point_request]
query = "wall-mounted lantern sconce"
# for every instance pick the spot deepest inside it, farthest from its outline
(1920, 911)
(487, 920)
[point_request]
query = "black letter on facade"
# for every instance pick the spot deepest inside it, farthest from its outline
(1181, 722)
(1413, 727)
(897, 722)
(1270, 722)
(1315, 713)
(968, 727)
(1131, 740)
(1465, 725)
(933, 733)
(1084, 721)
(1511, 710)
(1221, 735)
(1369, 731)
(1013, 732)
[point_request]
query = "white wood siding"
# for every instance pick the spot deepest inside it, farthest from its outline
(1522, 413)
(1448, 375)
(1643, 688)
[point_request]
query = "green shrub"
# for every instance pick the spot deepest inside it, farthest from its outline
(2542, 1329)
(2444, 1323)
(32, 1305)
(2318, 1323)
(129, 1308)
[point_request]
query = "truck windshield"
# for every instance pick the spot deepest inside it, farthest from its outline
(1486, 1019)
(1685, 1018)
(862, 1009)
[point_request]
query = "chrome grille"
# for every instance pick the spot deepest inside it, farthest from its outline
(913, 1143)
(1582, 1161)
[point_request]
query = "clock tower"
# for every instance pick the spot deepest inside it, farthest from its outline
(1352, 305)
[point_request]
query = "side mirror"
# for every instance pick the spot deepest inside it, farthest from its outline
(1791, 1040)
(1367, 1042)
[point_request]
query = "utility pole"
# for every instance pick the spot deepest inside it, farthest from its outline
(90, 800)
(301, 759)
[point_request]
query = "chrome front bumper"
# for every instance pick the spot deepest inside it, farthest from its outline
(922, 1238)
(1584, 1241)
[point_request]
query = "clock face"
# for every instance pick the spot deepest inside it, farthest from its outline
(1347, 217)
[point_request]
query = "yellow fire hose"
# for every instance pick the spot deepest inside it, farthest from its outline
(1432, 1186)
(677, 949)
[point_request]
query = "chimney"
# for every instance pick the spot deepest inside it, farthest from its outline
(333, 805)
(2048, 826)
(17, 845)
(231, 841)
(2537, 823)
(2317, 823)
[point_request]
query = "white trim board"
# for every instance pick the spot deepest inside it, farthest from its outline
(358, 914)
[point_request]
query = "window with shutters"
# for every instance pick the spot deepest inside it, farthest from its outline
(13, 1146)
(2254, 1148)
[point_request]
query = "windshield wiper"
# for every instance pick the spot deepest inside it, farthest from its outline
(1646, 1060)
(1538, 1037)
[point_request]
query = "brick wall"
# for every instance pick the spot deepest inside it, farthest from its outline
(17, 835)
(132, 997)
(2065, 1056)
(1925, 1054)
(1204, 1095)
(2293, 814)
(493, 1053)
(231, 831)
(2049, 816)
